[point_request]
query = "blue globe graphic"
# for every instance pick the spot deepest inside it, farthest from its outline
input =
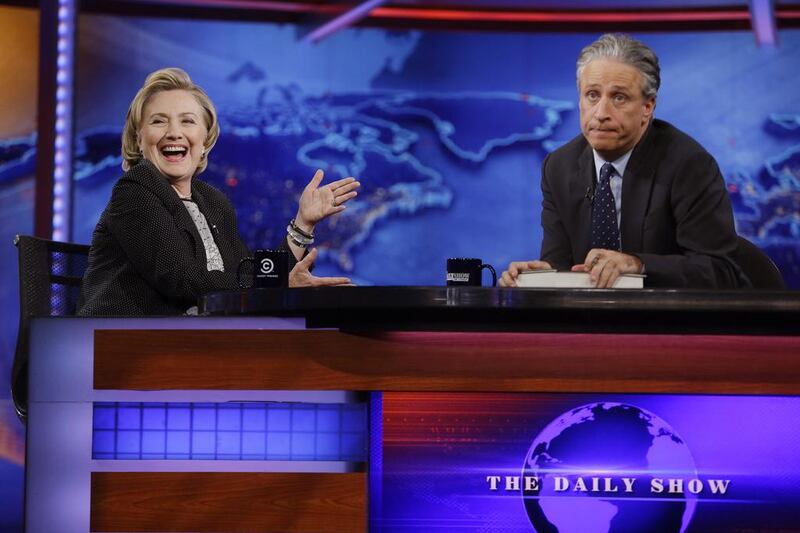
(608, 440)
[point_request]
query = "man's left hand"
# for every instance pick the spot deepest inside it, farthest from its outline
(605, 266)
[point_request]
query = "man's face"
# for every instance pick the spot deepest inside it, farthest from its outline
(614, 114)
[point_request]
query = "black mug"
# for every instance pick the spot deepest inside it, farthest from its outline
(466, 272)
(271, 269)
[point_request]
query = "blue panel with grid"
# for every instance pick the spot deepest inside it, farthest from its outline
(230, 431)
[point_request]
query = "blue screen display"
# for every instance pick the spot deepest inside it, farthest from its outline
(445, 130)
(230, 431)
(587, 462)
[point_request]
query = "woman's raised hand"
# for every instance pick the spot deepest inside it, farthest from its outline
(318, 202)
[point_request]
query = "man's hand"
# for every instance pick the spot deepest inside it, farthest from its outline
(509, 277)
(300, 276)
(605, 266)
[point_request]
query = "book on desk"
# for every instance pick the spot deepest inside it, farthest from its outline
(553, 279)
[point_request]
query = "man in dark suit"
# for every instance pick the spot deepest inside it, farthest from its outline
(632, 194)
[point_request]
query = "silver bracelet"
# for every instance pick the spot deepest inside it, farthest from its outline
(296, 228)
(296, 242)
(300, 240)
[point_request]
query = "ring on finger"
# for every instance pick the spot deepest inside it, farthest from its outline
(595, 260)
(333, 202)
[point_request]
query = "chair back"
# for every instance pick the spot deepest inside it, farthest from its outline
(50, 275)
(758, 266)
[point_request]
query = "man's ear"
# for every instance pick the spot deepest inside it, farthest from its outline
(649, 108)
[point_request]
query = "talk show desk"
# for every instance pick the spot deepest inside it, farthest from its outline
(344, 347)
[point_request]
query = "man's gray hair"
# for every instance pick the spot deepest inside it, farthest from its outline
(628, 50)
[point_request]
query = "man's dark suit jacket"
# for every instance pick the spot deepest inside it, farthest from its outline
(147, 257)
(676, 214)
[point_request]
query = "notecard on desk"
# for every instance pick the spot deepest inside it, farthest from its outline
(553, 279)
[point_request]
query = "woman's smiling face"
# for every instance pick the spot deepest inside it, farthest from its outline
(173, 133)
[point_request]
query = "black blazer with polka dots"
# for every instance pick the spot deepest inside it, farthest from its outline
(147, 257)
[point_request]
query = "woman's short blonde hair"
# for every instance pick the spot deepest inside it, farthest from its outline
(166, 79)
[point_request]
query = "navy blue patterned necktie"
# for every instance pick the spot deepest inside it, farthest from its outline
(605, 232)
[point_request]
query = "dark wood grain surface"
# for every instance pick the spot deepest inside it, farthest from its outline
(228, 502)
(446, 361)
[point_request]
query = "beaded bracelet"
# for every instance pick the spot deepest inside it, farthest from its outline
(297, 229)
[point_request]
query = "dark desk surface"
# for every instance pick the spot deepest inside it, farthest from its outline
(497, 309)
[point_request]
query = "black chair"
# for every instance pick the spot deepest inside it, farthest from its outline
(758, 266)
(50, 275)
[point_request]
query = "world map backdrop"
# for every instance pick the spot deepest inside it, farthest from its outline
(445, 130)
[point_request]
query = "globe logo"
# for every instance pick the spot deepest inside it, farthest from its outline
(267, 266)
(597, 466)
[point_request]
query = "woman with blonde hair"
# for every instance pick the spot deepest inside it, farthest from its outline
(166, 237)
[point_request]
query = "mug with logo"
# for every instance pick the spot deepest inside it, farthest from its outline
(270, 269)
(466, 272)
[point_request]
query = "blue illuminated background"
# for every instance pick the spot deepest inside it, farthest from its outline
(19, 32)
(230, 431)
(445, 130)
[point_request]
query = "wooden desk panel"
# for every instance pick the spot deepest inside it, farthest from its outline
(445, 361)
(230, 502)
